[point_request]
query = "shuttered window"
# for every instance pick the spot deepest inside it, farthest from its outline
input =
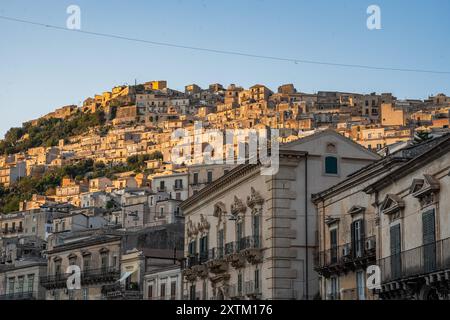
(429, 241)
(333, 246)
(395, 251)
(331, 165)
(357, 235)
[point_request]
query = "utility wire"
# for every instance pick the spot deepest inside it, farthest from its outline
(225, 52)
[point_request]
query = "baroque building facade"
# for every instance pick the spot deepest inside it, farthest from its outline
(252, 236)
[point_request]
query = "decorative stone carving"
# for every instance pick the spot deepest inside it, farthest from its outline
(190, 275)
(392, 206)
(237, 207)
(219, 210)
(426, 190)
(217, 266)
(203, 225)
(253, 256)
(200, 271)
(215, 279)
(254, 199)
(236, 260)
(191, 230)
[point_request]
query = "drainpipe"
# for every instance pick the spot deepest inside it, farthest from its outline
(273, 235)
(306, 230)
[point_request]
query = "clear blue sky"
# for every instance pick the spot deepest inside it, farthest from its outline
(42, 69)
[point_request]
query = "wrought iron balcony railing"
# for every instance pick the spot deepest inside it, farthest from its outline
(19, 296)
(107, 274)
(428, 258)
(359, 250)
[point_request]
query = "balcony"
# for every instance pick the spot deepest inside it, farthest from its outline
(252, 289)
(55, 281)
(177, 187)
(348, 257)
(250, 248)
(216, 253)
(404, 271)
(18, 296)
(118, 291)
(161, 189)
(87, 277)
(108, 274)
(230, 248)
(236, 292)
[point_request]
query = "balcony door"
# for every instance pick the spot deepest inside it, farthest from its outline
(333, 246)
(429, 241)
(357, 238)
(396, 262)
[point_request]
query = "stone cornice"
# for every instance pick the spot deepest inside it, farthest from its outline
(439, 150)
(233, 175)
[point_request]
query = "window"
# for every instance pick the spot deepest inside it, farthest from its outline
(150, 292)
(239, 284)
(210, 176)
(220, 243)
(357, 236)
(85, 293)
(256, 231)
(334, 292)
(30, 286)
(257, 281)
(360, 285)
(104, 261)
(173, 290)
(86, 262)
(331, 165)
(395, 244)
(333, 246)
(192, 292)
(196, 178)
(205, 291)
(57, 268)
(429, 241)
(204, 248)
(178, 184)
(192, 248)
(11, 285)
(163, 291)
(239, 233)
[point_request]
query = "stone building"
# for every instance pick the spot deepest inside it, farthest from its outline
(354, 234)
(251, 236)
(413, 229)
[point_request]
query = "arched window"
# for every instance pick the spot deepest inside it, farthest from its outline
(331, 165)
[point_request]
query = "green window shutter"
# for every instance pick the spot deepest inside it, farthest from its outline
(331, 165)
(429, 241)
(395, 243)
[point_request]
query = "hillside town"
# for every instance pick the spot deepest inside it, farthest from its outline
(112, 187)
